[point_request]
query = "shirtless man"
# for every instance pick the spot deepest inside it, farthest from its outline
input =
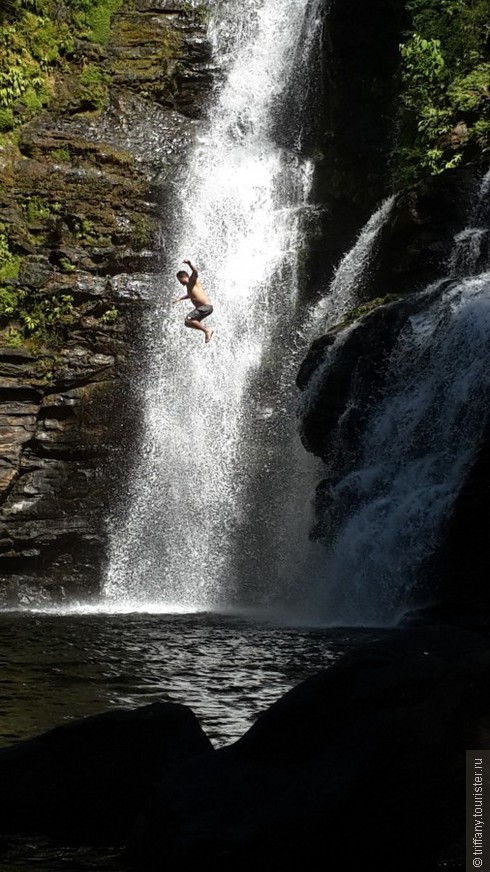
(202, 303)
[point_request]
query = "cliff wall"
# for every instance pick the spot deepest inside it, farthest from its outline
(83, 193)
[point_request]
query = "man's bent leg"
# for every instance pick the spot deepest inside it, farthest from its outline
(196, 325)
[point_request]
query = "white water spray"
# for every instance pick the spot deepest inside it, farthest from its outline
(419, 441)
(352, 271)
(467, 248)
(239, 213)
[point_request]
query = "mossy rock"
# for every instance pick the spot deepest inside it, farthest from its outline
(359, 311)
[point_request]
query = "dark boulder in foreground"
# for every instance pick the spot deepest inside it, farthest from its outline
(364, 763)
(85, 782)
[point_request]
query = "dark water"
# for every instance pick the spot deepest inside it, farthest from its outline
(227, 669)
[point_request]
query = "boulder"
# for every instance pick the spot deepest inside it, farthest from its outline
(84, 782)
(363, 764)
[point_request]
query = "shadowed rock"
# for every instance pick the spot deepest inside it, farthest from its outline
(363, 763)
(84, 782)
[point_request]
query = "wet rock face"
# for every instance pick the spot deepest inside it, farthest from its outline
(340, 379)
(343, 378)
(55, 439)
(355, 127)
(342, 375)
(457, 574)
(84, 201)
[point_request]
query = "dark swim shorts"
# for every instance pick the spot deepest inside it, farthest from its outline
(199, 313)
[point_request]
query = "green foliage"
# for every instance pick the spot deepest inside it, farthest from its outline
(36, 209)
(37, 38)
(85, 230)
(28, 314)
(21, 83)
(463, 27)
(9, 263)
(14, 8)
(13, 337)
(9, 300)
(481, 132)
(93, 17)
(423, 71)
(7, 121)
(445, 81)
(49, 40)
(66, 265)
(199, 12)
(468, 91)
(61, 154)
(110, 315)
(94, 86)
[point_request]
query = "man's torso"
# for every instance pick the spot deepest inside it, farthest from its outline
(197, 295)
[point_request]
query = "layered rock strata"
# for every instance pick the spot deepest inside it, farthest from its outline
(83, 198)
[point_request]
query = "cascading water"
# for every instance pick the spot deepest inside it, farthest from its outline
(468, 254)
(239, 213)
(351, 272)
(420, 438)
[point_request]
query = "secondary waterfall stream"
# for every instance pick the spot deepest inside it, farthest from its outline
(195, 529)
(421, 435)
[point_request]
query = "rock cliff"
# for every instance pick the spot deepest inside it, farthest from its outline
(83, 187)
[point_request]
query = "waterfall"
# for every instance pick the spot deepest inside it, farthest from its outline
(352, 271)
(343, 293)
(419, 441)
(467, 253)
(208, 408)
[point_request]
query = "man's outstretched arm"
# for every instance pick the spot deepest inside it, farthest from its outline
(179, 299)
(193, 275)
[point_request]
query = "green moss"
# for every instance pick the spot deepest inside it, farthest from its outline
(49, 39)
(37, 40)
(110, 315)
(7, 121)
(61, 154)
(13, 337)
(36, 209)
(99, 19)
(45, 368)
(66, 265)
(198, 12)
(9, 263)
(94, 86)
(151, 69)
(108, 154)
(85, 231)
(9, 139)
(142, 230)
(363, 309)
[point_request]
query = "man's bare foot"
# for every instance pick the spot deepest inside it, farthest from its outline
(209, 336)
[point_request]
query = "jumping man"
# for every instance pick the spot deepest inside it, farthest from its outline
(202, 303)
